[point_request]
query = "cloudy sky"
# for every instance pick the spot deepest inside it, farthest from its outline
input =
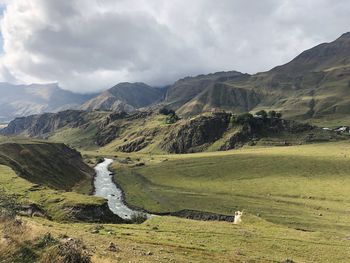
(89, 45)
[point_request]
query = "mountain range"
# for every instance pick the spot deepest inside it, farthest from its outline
(314, 86)
(23, 100)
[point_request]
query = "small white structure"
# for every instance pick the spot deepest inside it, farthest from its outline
(238, 217)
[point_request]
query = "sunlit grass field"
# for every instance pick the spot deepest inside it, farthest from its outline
(305, 187)
(295, 200)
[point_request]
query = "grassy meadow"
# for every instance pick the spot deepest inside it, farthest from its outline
(52, 201)
(295, 200)
(303, 187)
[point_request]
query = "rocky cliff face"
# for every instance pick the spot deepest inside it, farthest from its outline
(92, 213)
(146, 131)
(196, 134)
(42, 124)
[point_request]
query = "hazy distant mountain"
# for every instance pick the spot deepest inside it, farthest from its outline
(125, 97)
(23, 100)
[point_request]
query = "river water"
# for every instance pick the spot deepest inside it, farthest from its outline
(106, 188)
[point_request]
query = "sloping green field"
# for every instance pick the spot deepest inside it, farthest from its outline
(53, 202)
(304, 187)
(295, 200)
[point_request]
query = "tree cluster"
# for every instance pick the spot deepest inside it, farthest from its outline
(165, 111)
(171, 115)
(260, 118)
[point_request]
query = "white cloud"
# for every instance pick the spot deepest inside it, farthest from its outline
(88, 45)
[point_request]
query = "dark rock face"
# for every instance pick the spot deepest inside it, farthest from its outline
(93, 214)
(134, 146)
(112, 117)
(43, 124)
(107, 135)
(196, 134)
(198, 215)
(260, 129)
(33, 210)
(238, 139)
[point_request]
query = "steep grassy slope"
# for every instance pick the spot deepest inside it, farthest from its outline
(186, 89)
(222, 96)
(58, 205)
(299, 186)
(50, 164)
(314, 86)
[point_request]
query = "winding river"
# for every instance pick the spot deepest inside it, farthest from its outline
(106, 188)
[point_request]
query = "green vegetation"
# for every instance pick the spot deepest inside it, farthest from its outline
(171, 116)
(300, 186)
(50, 164)
(9, 206)
(169, 239)
(295, 201)
(21, 244)
(57, 204)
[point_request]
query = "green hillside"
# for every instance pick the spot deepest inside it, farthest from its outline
(295, 202)
(302, 187)
(312, 87)
(53, 178)
(51, 164)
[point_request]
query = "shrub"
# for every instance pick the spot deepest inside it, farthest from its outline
(233, 119)
(170, 119)
(272, 114)
(245, 118)
(69, 251)
(9, 206)
(262, 114)
(46, 240)
(165, 111)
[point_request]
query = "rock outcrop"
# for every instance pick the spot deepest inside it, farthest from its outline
(196, 134)
(134, 145)
(91, 213)
(199, 215)
(42, 125)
